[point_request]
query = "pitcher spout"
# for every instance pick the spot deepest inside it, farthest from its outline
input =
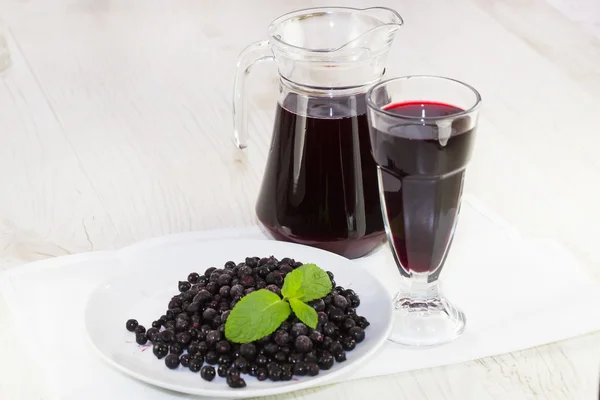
(380, 34)
(385, 15)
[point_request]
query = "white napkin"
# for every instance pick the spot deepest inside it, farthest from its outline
(516, 293)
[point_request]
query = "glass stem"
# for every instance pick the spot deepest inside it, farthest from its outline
(421, 287)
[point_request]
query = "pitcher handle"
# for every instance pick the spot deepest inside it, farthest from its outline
(256, 52)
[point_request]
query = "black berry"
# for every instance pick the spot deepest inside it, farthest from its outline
(295, 358)
(354, 301)
(139, 329)
(349, 343)
(223, 346)
(160, 350)
(312, 369)
(209, 314)
(212, 287)
(300, 368)
(326, 361)
(184, 286)
(222, 370)
(224, 279)
(340, 356)
(235, 382)
(208, 373)
(241, 364)
(185, 360)
(203, 296)
(244, 270)
(261, 374)
(303, 344)
(362, 322)
(131, 324)
(225, 359)
(247, 281)
(286, 260)
(224, 291)
(183, 338)
(274, 372)
(275, 278)
(172, 361)
(329, 329)
(311, 357)
(322, 318)
(340, 302)
(195, 365)
(282, 338)
(299, 329)
(176, 349)
(211, 358)
(167, 336)
(213, 337)
(336, 314)
(248, 351)
(253, 370)
(193, 333)
(202, 347)
(348, 324)
(318, 305)
(316, 337)
(152, 334)
(357, 333)
(261, 359)
(198, 357)
(252, 262)
(193, 277)
(263, 271)
(286, 374)
(141, 338)
(275, 289)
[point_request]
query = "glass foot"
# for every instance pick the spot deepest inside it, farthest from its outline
(425, 322)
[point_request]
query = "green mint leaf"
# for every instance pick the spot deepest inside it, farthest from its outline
(255, 316)
(305, 313)
(292, 285)
(315, 282)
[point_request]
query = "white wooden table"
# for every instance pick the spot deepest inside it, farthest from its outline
(115, 126)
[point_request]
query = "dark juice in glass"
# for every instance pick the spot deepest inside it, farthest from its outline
(422, 167)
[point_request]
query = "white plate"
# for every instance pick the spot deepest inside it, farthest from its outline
(145, 293)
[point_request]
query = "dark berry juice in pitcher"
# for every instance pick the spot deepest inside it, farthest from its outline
(320, 183)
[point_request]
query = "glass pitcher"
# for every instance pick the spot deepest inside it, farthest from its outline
(320, 181)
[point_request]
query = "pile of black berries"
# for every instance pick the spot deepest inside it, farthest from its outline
(191, 333)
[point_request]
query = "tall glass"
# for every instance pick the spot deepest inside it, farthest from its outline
(422, 131)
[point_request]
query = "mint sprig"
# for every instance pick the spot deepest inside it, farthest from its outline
(260, 313)
(255, 316)
(315, 282)
(292, 285)
(305, 313)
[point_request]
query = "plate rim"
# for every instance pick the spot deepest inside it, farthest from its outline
(318, 380)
